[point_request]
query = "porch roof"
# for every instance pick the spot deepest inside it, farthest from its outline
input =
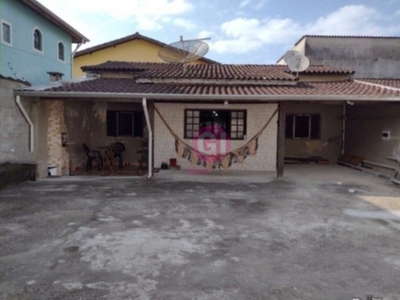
(128, 88)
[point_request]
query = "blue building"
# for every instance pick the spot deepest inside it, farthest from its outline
(34, 41)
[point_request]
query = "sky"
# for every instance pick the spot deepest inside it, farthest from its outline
(241, 31)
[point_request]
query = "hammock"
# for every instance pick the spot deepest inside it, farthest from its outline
(224, 160)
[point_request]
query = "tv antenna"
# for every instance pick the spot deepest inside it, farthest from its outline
(296, 61)
(184, 51)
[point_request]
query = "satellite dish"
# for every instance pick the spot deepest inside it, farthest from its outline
(184, 51)
(289, 55)
(298, 63)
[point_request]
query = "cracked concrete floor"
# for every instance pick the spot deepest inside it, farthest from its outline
(308, 237)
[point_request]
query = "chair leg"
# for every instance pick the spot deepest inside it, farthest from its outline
(99, 163)
(88, 164)
(120, 163)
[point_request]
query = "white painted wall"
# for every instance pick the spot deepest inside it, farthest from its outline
(257, 116)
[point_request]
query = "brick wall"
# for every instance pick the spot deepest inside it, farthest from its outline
(257, 116)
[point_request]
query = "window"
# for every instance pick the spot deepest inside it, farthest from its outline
(125, 123)
(303, 126)
(6, 33)
(220, 123)
(37, 40)
(61, 51)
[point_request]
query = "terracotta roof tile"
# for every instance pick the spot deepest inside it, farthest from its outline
(394, 83)
(108, 85)
(210, 71)
(192, 71)
(324, 69)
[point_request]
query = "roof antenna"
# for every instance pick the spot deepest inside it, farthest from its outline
(184, 51)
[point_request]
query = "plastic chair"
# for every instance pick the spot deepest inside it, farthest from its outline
(91, 155)
(118, 148)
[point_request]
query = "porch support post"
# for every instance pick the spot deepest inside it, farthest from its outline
(150, 109)
(150, 131)
(281, 141)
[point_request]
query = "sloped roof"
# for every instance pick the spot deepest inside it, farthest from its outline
(129, 86)
(15, 80)
(212, 81)
(210, 71)
(77, 37)
(132, 37)
(393, 83)
(203, 71)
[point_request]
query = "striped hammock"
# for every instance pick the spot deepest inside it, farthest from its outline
(223, 160)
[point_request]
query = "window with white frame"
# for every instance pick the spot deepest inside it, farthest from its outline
(6, 33)
(303, 126)
(61, 51)
(37, 40)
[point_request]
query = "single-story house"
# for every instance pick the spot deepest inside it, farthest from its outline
(244, 117)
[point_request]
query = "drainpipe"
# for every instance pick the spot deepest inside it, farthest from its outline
(28, 119)
(344, 127)
(150, 162)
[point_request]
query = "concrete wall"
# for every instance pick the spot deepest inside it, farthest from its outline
(86, 122)
(301, 47)
(21, 60)
(329, 146)
(370, 58)
(41, 120)
(364, 131)
(257, 116)
(14, 133)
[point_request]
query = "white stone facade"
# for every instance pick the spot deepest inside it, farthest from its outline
(257, 116)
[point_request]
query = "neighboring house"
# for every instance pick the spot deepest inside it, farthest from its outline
(306, 112)
(368, 56)
(33, 43)
(375, 60)
(134, 48)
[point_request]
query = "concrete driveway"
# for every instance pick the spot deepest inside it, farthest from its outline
(326, 232)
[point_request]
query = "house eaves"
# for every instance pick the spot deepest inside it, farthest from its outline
(77, 37)
(206, 97)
